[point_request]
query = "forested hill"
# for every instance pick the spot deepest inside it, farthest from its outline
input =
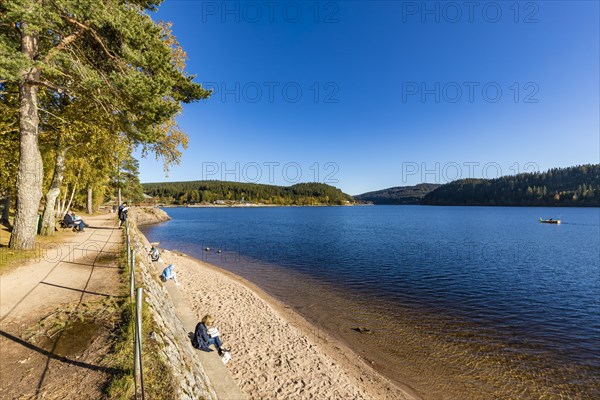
(398, 195)
(216, 191)
(573, 186)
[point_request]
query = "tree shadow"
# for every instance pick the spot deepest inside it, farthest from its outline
(84, 291)
(63, 359)
(102, 227)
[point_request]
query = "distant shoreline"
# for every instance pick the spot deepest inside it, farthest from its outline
(371, 204)
(258, 205)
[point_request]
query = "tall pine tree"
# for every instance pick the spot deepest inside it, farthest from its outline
(109, 52)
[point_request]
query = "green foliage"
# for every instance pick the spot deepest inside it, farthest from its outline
(211, 191)
(398, 195)
(573, 186)
(110, 52)
(129, 180)
(9, 139)
(110, 79)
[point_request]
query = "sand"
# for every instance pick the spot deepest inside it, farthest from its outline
(276, 354)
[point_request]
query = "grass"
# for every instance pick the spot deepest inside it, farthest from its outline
(10, 259)
(103, 312)
(159, 382)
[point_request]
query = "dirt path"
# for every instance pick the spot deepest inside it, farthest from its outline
(76, 270)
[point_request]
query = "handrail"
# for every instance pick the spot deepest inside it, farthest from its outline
(136, 301)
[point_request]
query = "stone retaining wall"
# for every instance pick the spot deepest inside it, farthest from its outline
(188, 372)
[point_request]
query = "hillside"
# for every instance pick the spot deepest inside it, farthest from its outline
(573, 186)
(398, 195)
(181, 193)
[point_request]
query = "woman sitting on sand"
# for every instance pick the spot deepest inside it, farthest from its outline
(202, 340)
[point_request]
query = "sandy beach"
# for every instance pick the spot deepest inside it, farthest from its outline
(276, 354)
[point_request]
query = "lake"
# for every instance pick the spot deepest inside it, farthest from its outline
(462, 302)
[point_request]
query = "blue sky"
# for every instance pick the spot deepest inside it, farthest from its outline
(367, 95)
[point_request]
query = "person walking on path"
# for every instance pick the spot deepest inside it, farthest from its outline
(123, 210)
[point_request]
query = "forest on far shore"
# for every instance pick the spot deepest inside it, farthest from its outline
(572, 186)
(304, 194)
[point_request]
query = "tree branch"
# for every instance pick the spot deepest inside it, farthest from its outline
(59, 89)
(63, 43)
(96, 37)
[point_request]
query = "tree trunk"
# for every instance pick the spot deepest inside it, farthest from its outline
(6, 210)
(63, 202)
(90, 203)
(58, 208)
(48, 221)
(71, 199)
(30, 173)
(119, 202)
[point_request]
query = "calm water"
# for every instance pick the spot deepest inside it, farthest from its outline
(463, 302)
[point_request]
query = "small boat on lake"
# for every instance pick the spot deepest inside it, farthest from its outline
(550, 221)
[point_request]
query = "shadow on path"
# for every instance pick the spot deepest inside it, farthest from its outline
(83, 291)
(50, 355)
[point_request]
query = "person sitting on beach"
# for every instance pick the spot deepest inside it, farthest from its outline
(79, 226)
(169, 273)
(203, 338)
(154, 254)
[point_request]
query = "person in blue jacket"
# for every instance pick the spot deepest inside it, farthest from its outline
(202, 340)
(169, 273)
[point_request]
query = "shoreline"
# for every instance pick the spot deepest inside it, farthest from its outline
(358, 378)
(254, 205)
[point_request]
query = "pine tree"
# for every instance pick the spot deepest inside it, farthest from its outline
(110, 52)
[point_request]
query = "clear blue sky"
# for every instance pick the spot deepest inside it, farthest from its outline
(374, 94)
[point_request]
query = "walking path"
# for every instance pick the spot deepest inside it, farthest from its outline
(75, 269)
(63, 271)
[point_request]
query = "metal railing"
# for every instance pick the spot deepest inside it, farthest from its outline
(136, 297)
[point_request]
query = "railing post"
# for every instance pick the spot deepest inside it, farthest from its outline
(132, 276)
(137, 363)
(128, 249)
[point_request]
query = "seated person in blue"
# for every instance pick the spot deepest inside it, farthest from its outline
(78, 219)
(202, 340)
(70, 222)
(169, 273)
